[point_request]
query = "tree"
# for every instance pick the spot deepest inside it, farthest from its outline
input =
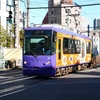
(11, 33)
(21, 35)
(4, 37)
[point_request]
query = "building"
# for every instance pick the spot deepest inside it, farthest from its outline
(12, 16)
(95, 36)
(5, 7)
(62, 12)
(3, 13)
(96, 24)
(22, 19)
(45, 20)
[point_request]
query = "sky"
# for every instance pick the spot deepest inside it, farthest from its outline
(37, 15)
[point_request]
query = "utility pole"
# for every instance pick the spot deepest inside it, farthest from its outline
(16, 23)
(24, 14)
(28, 5)
(88, 30)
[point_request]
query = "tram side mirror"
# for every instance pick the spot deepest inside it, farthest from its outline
(54, 36)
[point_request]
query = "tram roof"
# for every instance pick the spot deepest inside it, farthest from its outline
(64, 31)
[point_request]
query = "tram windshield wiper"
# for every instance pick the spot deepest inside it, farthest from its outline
(33, 53)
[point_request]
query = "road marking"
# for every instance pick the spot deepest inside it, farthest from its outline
(69, 83)
(12, 92)
(11, 88)
(15, 80)
(18, 88)
(8, 73)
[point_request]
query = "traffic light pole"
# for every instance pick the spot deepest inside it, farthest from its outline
(16, 23)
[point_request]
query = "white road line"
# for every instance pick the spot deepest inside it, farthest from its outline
(12, 92)
(11, 88)
(8, 73)
(15, 80)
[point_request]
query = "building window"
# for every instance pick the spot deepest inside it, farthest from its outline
(52, 3)
(51, 21)
(20, 12)
(21, 20)
(52, 12)
(66, 20)
(67, 11)
(97, 39)
(94, 34)
(78, 22)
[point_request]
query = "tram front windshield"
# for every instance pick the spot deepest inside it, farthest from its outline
(38, 42)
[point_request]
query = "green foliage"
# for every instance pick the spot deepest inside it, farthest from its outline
(11, 34)
(21, 34)
(4, 38)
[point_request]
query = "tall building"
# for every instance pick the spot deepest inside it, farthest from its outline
(5, 7)
(62, 12)
(3, 13)
(96, 24)
(96, 36)
(12, 16)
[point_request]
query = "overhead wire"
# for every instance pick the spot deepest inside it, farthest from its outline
(38, 3)
(56, 16)
(60, 18)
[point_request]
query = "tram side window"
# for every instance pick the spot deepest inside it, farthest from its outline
(70, 46)
(65, 46)
(88, 47)
(77, 46)
(59, 48)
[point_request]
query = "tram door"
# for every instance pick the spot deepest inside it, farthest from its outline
(83, 49)
(59, 52)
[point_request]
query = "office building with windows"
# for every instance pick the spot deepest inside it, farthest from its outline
(66, 13)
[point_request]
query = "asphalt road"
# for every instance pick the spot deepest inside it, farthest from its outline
(83, 85)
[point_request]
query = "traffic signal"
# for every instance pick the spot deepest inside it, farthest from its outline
(10, 17)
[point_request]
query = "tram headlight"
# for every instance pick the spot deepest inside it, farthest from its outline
(47, 62)
(25, 62)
